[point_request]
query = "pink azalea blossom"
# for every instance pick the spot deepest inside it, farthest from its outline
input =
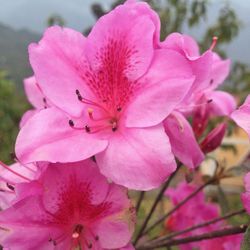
(75, 207)
(246, 196)
(110, 93)
(197, 211)
(241, 116)
(202, 101)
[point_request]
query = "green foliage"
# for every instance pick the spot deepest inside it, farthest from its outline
(12, 106)
(55, 19)
(245, 245)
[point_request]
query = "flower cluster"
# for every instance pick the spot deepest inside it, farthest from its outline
(197, 211)
(110, 113)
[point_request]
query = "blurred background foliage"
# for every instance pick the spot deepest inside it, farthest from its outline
(12, 105)
(175, 15)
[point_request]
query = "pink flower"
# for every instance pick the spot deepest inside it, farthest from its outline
(201, 101)
(111, 92)
(76, 207)
(214, 138)
(241, 116)
(245, 197)
(197, 211)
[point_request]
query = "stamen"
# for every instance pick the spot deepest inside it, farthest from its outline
(6, 191)
(114, 126)
(71, 123)
(215, 39)
(77, 231)
(78, 95)
(86, 101)
(196, 106)
(119, 109)
(90, 112)
(14, 172)
(95, 129)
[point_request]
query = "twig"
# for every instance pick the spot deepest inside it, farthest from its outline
(180, 204)
(140, 199)
(158, 198)
(206, 236)
(207, 223)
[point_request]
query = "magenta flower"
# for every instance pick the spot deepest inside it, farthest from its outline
(201, 101)
(245, 197)
(241, 115)
(75, 208)
(110, 93)
(197, 211)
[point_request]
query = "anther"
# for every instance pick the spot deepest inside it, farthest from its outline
(90, 245)
(114, 126)
(96, 237)
(79, 95)
(119, 109)
(10, 186)
(87, 129)
(71, 123)
(211, 81)
(90, 112)
(209, 101)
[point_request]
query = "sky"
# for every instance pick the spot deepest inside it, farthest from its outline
(32, 15)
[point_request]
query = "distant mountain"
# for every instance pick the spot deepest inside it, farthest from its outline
(13, 52)
(32, 15)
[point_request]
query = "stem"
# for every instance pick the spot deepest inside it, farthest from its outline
(180, 204)
(207, 223)
(140, 199)
(158, 198)
(206, 236)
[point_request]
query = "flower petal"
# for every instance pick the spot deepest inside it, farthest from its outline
(113, 234)
(138, 158)
(156, 102)
(222, 104)
(167, 64)
(184, 44)
(33, 92)
(123, 40)
(220, 70)
(80, 172)
(48, 137)
(180, 135)
(241, 116)
(29, 213)
(58, 62)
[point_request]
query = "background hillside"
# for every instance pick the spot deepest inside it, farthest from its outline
(13, 52)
